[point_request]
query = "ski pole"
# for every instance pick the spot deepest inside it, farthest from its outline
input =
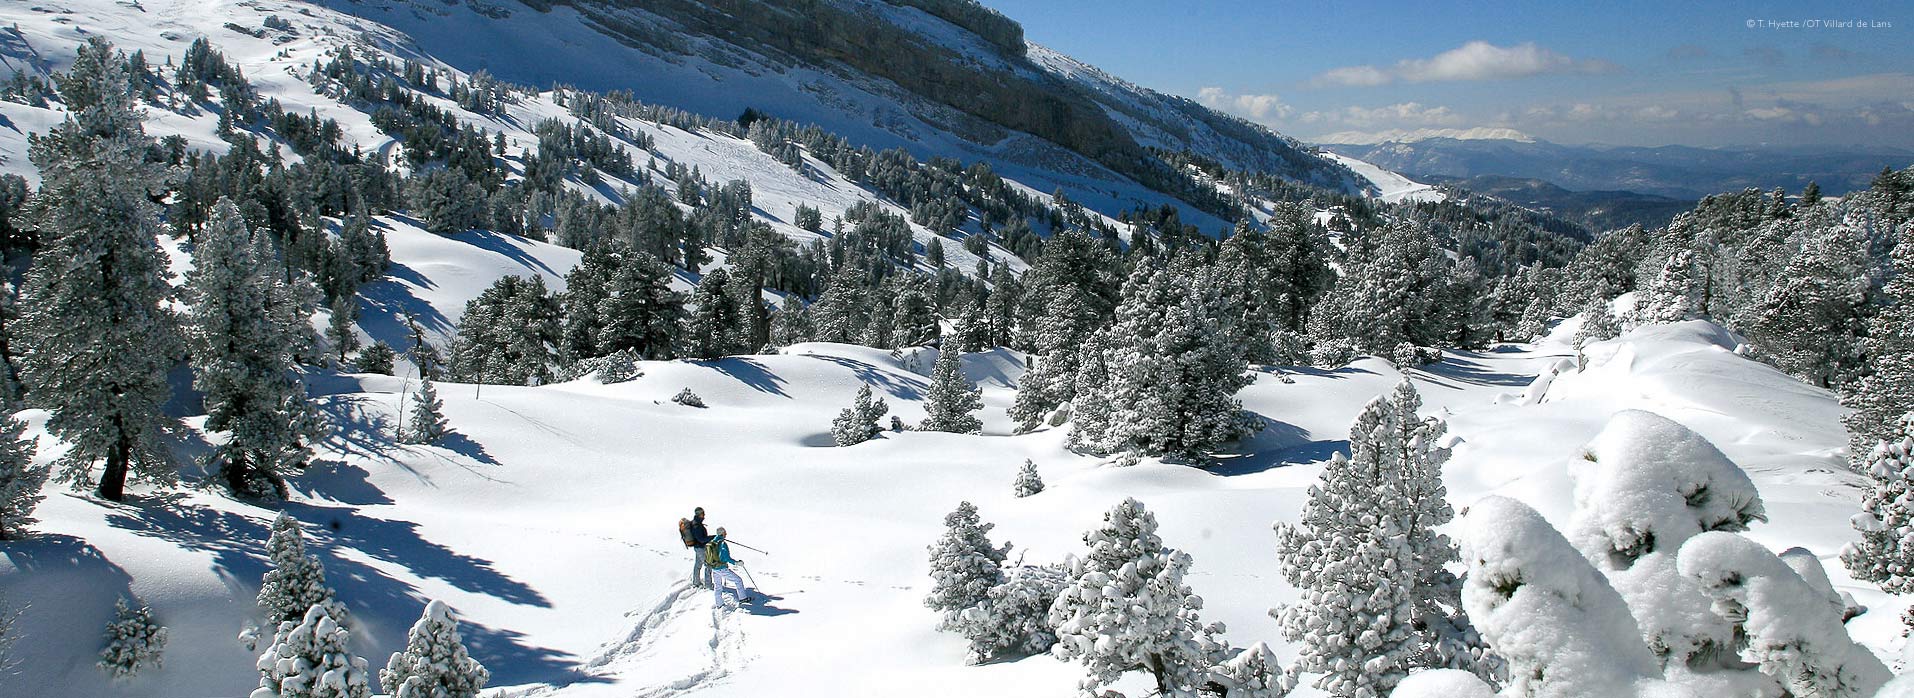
(746, 547)
(747, 575)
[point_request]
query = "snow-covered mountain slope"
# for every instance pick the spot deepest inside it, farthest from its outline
(548, 520)
(1390, 186)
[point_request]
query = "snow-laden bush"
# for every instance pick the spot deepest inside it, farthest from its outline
(1013, 618)
(309, 659)
(1333, 353)
(617, 367)
(1127, 609)
(297, 581)
(426, 425)
(1884, 554)
(134, 640)
(1807, 564)
(1786, 626)
(1028, 481)
(434, 663)
(1443, 683)
(1646, 485)
(1256, 673)
(858, 423)
(688, 399)
(20, 480)
(964, 565)
(1564, 632)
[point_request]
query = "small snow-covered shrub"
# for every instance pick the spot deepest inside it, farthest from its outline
(858, 423)
(617, 367)
(133, 641)
(434, 663)
(688, 399)
(964, 565)
(1013, 618)
(1028, 481)
(1126, 608)
(1333, 353)
(1256, 673)
(309, 659)
(1404, 356)
(296, 581)
(1786, 626)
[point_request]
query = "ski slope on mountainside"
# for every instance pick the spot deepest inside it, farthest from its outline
(548, 519)
(1390, 186)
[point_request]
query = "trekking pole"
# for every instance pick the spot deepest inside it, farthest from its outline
(746, 547)
(747, 575)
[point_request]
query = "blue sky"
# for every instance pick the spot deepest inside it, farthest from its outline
(1627, 73)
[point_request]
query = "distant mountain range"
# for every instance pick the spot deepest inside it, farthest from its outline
(1677, 172)
(1597, 210)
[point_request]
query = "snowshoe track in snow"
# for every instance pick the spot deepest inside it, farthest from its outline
(681, 632)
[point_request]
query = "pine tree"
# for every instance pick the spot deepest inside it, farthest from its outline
(1885, 553)
(1598, 323)
(20, 479)
(1254, 673)
(340, 332)
(309, 658)
(1014, 617)
(913, 319)
(1127, 609)
(426, 424)
(717, 328)
(1678, 293)
(297, 580)
(101, 341)
(1376, 598)
(9, 348)
(419, 349)
(509, 334)
(1064, 299)
(133, 641)
(1090, 418)
(377, 358)
(1809, 321)
(639, 312)
(963, 565)
(858, 423)
(1886, 392)
(1028, 481)
(247, 325)
(951, 400)
(434, 663)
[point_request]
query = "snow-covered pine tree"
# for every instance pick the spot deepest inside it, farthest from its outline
(1809, 322)
(1534, 322)
(419, 349)
(377, 358)
(101, 342)
(858, 423)
(1014, 617)
(1782, 623)
(717, 328)
(340, 333)
(20, 479)
(425, 424)
(951, 400)
(1065, 298)
(246, 328)
(1028, 481)
(297, 580)
(913, 318)
(509, 334)
(640, 311)
(1886, 391)
(1884, 554)
(1598, 323)
(134, 641)
(1127, 609)
(1678, 293)
(963, 565)
(1376, 599)
(434, 663)
(309, 658)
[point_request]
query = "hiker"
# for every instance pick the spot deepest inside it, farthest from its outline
(717, 556)
(693, 533)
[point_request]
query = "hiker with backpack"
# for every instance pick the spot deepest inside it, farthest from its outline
(692, 532)
(717, 556)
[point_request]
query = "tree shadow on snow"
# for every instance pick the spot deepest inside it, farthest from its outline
(464, 445)
(903, 390)
(504, 246)
(1279, 444)
(749, 372)
(1464, 367)
(399, 542)
(62, 583)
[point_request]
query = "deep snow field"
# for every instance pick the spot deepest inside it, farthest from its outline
(548, 520)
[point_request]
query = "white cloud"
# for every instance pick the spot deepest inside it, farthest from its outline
(1259, 107)
(1401, 114)
(1476, 60)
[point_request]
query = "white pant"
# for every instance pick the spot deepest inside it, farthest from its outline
(719, 579)
(700, 574)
